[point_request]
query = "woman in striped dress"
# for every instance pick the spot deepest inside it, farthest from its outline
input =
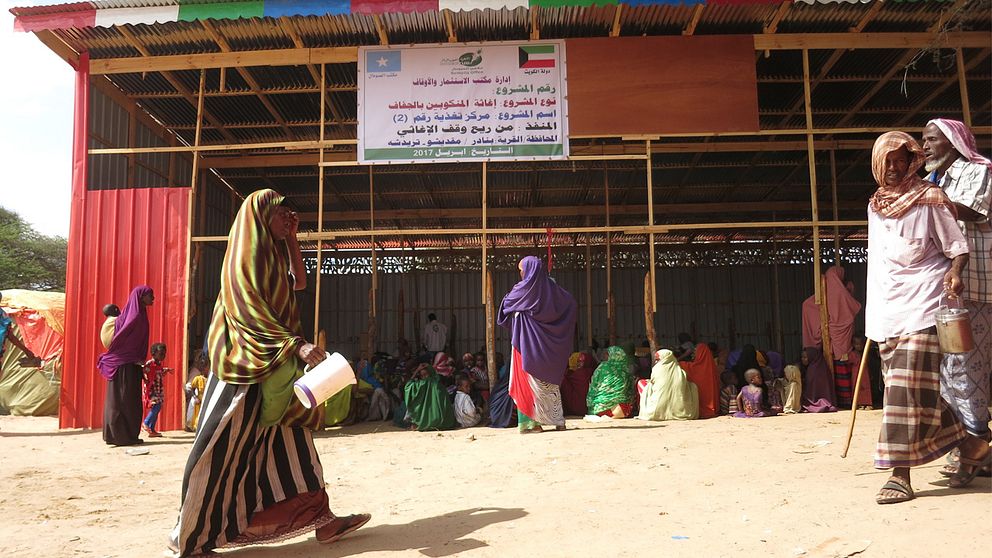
(253, 475)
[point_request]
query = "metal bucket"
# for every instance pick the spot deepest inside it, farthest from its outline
(954, 330)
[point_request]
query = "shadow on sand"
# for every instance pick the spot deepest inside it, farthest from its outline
(443, 535)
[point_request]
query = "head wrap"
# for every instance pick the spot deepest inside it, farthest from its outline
(256, 324)
(893, 201)
(130, 342)
(441, 364)
(962, 139)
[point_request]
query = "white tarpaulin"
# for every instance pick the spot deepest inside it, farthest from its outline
(475, 102)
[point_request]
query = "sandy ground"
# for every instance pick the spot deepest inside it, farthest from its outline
(721, 487)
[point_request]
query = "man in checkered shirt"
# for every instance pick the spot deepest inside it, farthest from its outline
(966, 178)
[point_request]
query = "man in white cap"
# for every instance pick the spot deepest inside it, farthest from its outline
(966, 177)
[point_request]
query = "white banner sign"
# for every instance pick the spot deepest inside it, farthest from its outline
(476, 102)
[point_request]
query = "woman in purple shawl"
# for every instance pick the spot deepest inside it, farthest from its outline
(818, 387)
(541, 316)
(121, 366)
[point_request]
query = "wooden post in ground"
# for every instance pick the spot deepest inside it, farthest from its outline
(320, 204)
(828, 353)
(814, 208)
(649, 313)
(610, 310)
(490, 332)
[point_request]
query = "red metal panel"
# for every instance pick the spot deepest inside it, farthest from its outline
(119, 239)
(126, 238)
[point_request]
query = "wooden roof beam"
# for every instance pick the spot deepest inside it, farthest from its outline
(215, 35)
(59, 47)
(772, 25)
(617, 16)
(339, 55)
(564, 211)
(449, 26)
(984, 54)
(380, 29)
(187, 94)
(535, 23)
(881, 83)
(287, 25)
(690, 27)
(228, 92)
(275, 57)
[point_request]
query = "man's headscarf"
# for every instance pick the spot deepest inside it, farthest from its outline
(893, 201)
(130, 342)
(256, 324)
(961, 138)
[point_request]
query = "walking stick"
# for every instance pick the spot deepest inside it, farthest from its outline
(854, 405)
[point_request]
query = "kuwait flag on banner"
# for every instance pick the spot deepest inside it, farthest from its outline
(537, 56)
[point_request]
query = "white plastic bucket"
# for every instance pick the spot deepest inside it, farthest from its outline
(323, 381)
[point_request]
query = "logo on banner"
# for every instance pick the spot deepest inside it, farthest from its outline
(382, 61)
(471, 59)
(537, 56)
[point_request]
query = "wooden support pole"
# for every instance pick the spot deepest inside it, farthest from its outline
(649, 314)
(491, 332)
(963, 86)
(650, 182)
(812, 179)
(375, 273)
(187, 297)
(588, 289)
(485, 240)
(611, 319)
(833, 193)
(777, 309)
(320, 204)
(828, 353)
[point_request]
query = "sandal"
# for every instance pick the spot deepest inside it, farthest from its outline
(968, 469)
(903, 490)
(351, 524)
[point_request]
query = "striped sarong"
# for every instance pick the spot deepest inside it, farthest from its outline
(238, 469)
(918, 426)
(538, 402)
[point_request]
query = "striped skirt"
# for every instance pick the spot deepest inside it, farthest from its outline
(245, 484)
(918, 426)
(537, 402)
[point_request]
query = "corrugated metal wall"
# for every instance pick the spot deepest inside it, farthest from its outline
(729, 305)
(125, 238)
(119, 238)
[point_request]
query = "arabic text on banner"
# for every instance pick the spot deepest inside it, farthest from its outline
(490, 101)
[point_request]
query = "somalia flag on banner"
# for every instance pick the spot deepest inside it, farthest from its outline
(382, 61)
(537, 56)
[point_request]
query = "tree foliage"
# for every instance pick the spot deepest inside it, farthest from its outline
(29, 259)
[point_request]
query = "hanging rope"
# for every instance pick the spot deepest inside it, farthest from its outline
(551, 234)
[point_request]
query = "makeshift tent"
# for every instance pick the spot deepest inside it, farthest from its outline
(39, 321)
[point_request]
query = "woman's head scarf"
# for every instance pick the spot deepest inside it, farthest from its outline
(541, 316)
(130, 342)
(256, 323)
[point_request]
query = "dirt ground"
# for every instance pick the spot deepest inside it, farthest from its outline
(720, 487)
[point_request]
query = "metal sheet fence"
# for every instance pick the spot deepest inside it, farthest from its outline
(731, 306)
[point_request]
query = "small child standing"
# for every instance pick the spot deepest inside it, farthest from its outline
(195, 387)
(466, 413)
(728, 394)
(153, 392)
(793, 390)
(751, 399)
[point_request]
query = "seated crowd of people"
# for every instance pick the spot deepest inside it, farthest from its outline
(434, 391)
